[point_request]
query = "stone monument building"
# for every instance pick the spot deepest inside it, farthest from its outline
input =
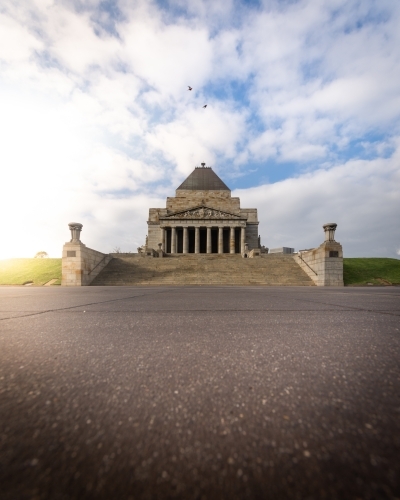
(203, 217)
(206, 239)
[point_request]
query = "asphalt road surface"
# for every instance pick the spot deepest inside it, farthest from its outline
(199, 393)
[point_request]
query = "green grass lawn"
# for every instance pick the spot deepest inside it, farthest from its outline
(371, 270)
(39, 271)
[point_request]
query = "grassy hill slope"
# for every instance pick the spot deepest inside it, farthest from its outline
(38, 271)
(378, 271)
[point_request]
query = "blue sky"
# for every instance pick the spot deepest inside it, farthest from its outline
(302, 117)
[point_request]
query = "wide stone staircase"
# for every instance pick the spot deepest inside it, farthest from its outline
(203, 269)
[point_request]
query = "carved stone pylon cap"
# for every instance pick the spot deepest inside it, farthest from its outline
(330, 228)
(75, 228)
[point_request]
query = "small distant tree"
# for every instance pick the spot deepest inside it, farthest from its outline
(41, 255)
(117, 250)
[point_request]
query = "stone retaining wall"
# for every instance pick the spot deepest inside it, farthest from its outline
(324, 265)
(80, 265)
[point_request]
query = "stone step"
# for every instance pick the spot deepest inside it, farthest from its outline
(203, 269)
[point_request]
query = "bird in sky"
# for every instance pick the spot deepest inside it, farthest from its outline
(189, 87)
(205, 105)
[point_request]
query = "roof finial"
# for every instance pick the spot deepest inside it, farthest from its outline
(203, 165)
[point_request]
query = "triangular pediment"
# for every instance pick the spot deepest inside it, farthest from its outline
(202, 212)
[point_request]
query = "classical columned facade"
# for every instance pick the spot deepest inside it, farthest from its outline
(203, 218)
(200, 237)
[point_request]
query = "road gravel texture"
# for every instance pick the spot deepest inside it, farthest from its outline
(199, 393)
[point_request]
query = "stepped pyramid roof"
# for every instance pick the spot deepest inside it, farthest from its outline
(203, 179)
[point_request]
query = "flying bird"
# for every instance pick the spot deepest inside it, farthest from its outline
(205, 105)
(189, 87)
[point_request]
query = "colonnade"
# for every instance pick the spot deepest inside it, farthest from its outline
(174, 243)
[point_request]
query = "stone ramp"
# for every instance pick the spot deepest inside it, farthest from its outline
(203, 269)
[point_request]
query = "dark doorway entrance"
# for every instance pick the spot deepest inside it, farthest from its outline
(168, 240)
(191, 236)
(214, 240)
(203, 240)
(179, 237)
(226, 239)
(237, 240)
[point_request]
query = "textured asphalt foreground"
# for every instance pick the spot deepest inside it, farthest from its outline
(199, 393)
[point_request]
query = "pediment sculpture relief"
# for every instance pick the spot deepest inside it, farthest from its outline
(203, 213)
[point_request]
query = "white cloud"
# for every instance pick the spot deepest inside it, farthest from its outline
(308, 67)
(199, 135)
(167, 57)
(15, 43)
(74, 42)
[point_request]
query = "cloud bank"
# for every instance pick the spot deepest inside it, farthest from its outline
(302, 117)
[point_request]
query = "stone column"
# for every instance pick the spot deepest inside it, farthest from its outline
(242, 239)
(220, 240)
(185, 240)
(164, 239)
(173, 240)
(196, 239)
(330, 229)
(232, 241)
(75, 229)
(209, 239)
